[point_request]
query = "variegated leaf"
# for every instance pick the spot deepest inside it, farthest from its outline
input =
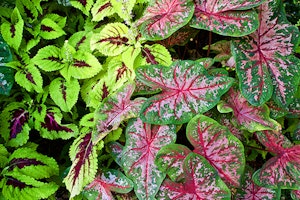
(101, 9)
(124, 8)
(164, 17)
(264, 61)
(220, 148)
(83, 5)
(81, 40)
(112, 40)
(50, 30)
(295, 194)
(106, 182)
(30, 78)
(248, 117)
(202, 182)
(187, 90)
(84, 163)
(115, 109)
(283, 169)
(153, 55)
(231, 18)
(143, 141)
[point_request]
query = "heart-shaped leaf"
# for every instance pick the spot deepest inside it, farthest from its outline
(84, 163)
(108, 181)
(170, 159)
(202, 182)
(64, 93)
(250, 190)
(222, 149)
(187, 90)
(164, 17)
(143, 141)
(14, 124)
(112, 40)
(248, 117)
(232, 18)
(264, 61)
(282, 170)
(115, 109)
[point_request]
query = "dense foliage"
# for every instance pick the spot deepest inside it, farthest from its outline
(139, 99)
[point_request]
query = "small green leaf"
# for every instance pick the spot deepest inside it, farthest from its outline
(30, 78)
(50, 30)
(64, 93)
(101, 9)
(154, 54)
(81, 40)
(84, 6)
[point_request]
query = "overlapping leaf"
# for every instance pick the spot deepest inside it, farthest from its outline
(49, 29)
(143, 141)
(108, 181)
(30, 78)
(264, 61)
(164, 17)
(187, 90)
(231, 18)
(248, 117)
(115, 109)
(14, 124)
(252, 191)
(154, 54)
(282, 170)
(222, 149)
(84, 163)
(102, 9)
(83, 5)
(202, 182)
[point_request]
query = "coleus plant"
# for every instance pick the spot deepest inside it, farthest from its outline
(105, 81)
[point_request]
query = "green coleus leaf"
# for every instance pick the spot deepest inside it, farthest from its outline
(115, 109)
(84, 163)
(264, 61)
(282, 170)
(112, 40)
(14, 124)
(143, 141)
(187, 90)
(84, 65)
(49, 59)
(123, 8)
(101, 9)
(231, 18)
(246, 116)
(50, 30)
(28, 9)
(154, 54)
(48, 123)
(3, 156)
(250, 190)
(220, 147)
(81, 40)
(83, 5)
(202, 182)
(64, 93)
(24, 173)
(12, 32)
(162, 18)
(108, 181)
(30, 78)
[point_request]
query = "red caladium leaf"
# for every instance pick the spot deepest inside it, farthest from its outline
(164, 17)
(107, 181)
(222, 149)
(282, 170)
(202, 182)
(264, 63)
(84, 163)
(232, 18)
(143, 141)
(116, 108)
(254, 192)
(170, 159)
(225, 121)
(248, 117)
(187, 89)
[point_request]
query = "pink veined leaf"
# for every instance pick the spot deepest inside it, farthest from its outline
(170, 159)
(84, 163)
(164, 17)
(114, 109)
(295, 194)
(187, 90)
(248, 117)
(264, 61)
(201, 183)
(282, 170)
(143, 141)
(108, 181)
(220, 148)
(232, 18)
(250, 191)
(225, 121)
